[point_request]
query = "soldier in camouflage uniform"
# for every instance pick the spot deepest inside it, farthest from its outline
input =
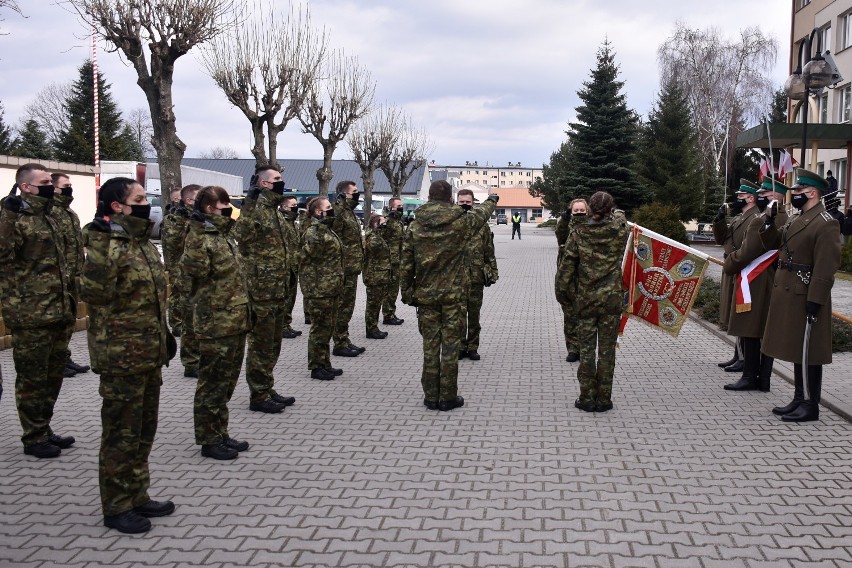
(434, 278)
(37, 305)
(304, 222)
(589, 276)
(482, 271)
(175, 227)
(377, 274)
(261, 234)
(576, 213)
(72, 244)
(221, 315)
(393, 234)
(124, 283)
(348, 229)
(321, 280)
(290, 211)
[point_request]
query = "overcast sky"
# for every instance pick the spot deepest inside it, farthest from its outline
(491, 80)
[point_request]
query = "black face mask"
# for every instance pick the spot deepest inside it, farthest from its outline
(799, 200)
(328, 217)
(226, 211)
(140, 211)
(399, 210)
(67, 191)
(738, 204)
(290, 214)
(762, 202)
(467, 208)
(578, 214)
(278, 187)
(355, 197)
(46, 191)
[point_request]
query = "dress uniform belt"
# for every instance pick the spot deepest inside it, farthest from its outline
(803, 271)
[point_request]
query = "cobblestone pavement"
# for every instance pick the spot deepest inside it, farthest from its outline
(681, 473)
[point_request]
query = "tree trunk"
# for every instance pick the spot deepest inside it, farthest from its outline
(368, 178)
(259, 149)
(324, 174)
(170, 148)
(273, 130)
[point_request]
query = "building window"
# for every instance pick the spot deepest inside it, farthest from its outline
(503, 182)
(821, 169)
(536, 213)
(823, 108)
(825, 38)
(838, 168)
(845, 30)
(803, 3)
(844, 104)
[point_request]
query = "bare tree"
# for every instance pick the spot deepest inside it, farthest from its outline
(369, 139)
(406, 156)
(153, 35)
(220, 153)
(256, 65)
(722, 79)
(139, 121)
(332, 104)
(11, 5)
(48, 109)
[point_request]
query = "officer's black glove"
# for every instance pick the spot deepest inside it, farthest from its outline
(494, 197)
(100, 225)
(13, 203)
(812, 309)
(720, 215)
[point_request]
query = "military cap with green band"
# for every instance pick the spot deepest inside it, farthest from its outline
(748, 187)
(805, 178)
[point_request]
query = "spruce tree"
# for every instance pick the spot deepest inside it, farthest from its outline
(32, 142)
(604, 138)
(668, 162)
(555, 187)
(7, 138)
(76, 143)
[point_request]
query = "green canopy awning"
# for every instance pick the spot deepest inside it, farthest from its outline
(785, 134)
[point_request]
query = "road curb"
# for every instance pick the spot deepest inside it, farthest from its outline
(832, 403)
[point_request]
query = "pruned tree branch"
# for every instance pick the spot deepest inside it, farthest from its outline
(410, 152)
(371, 138)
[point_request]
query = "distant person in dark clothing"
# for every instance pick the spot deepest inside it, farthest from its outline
(832, 183)
(516, 225)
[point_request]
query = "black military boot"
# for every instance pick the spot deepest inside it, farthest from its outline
(736, 367)
(765, 375)
(445, 405)
(572, 357)
(733, 360)
(218, 452)
(155, 509)
(798, 393)
(751, 366)
(128, 522)
(77, 368)
(808, 410)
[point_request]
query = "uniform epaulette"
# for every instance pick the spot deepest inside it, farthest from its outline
(827, 216)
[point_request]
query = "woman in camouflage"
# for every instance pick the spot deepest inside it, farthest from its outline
(589, 276)
(377, 274)
(220, 315)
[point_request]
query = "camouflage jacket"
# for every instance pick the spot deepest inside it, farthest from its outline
(175, 225)
(35, 288)
(481, 261)
(377, 259)
(124, 283)
(219, 294)
(589, 275)
(347, 227)
(321, 273)
(294, 238)
(432, 267)
(394, 233)
(71, 236)
(263, 245)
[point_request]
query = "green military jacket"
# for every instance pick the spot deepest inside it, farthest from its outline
(293, 238)
(432, 267)
(321, 272)
(263, 245)
(35, 284)
(347, 227)
(394, 233)
(219, 293)
(68, 224)
(377, 259)
(589, 274)
(481, 261)
(175, 225)
(124, 283)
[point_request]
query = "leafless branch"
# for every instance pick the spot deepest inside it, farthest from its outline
(410, 152)
(220, 153)
(371, 138)
(49, 111)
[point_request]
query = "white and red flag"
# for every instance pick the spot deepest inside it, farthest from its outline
(745, 277)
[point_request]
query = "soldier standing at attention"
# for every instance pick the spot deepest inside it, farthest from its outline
(347, 227)
(809, 256)
(749, 323)
(72, 244)
(321, 279)
(290, 211)
(434, 278)
(221, 317)
(576, 213)
(482, 271)
(377, 274)
(124, 282)
(516, 225)
(591, 269)
(730, 237)
(393, 235)
(37, 305)
(263, 244)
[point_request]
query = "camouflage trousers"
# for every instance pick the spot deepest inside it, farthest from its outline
(264, 347)
(40, 355)
(323, 313)
(188, 339)
(470, 338)
(601, 331)
(290, 300)
(391, 294)
(178, 305)
(129, 421)
(345, 308)
(375, 296)
(569, 328)
(219, 369)
(441, 327)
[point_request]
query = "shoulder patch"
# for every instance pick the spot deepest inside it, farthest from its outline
(827, 216)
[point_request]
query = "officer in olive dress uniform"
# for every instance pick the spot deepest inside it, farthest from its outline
(748, 321)
(798, 328)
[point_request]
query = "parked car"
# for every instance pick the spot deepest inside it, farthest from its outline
(502, 219)
(156, 214)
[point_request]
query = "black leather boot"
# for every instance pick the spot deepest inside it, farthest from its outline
(808, 411)
(765, 375)
(798, 394)
(733, 360)
(751, 366)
